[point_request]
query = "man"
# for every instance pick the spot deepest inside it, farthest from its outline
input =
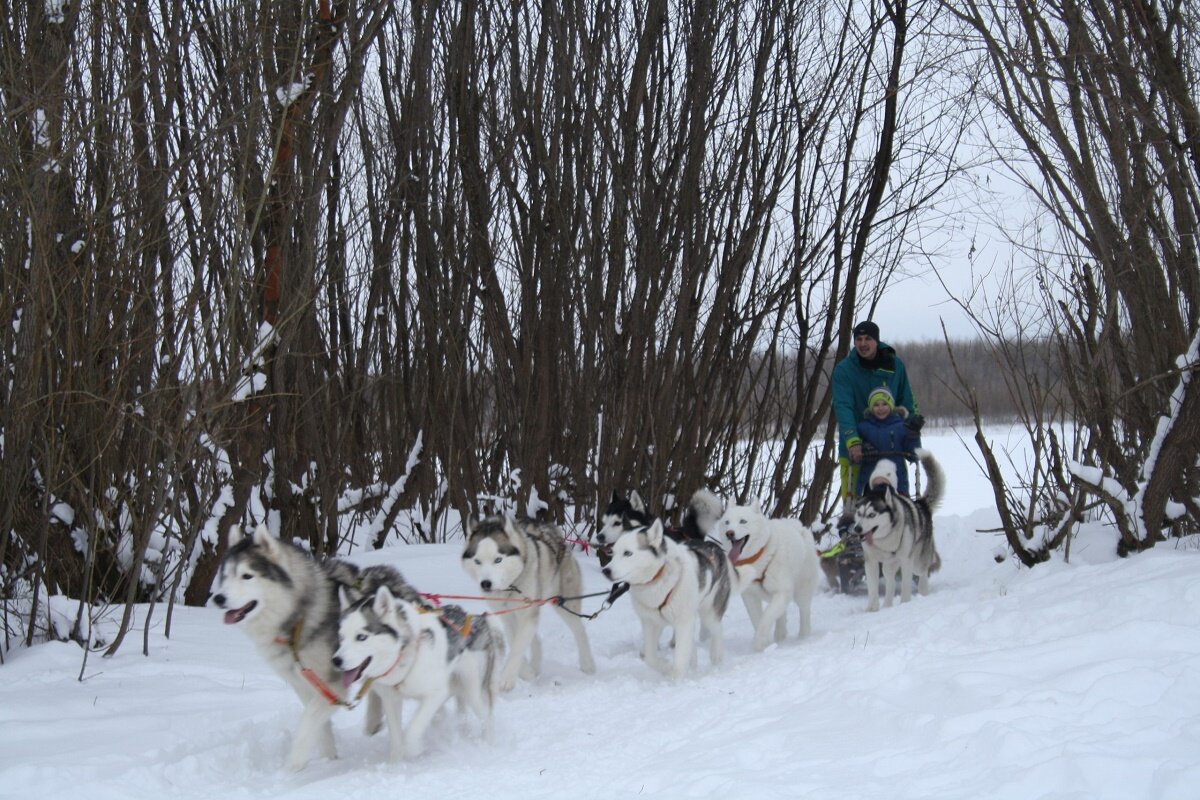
(871, 364)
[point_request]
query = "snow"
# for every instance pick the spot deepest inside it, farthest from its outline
(1070, 680)
(289, 94)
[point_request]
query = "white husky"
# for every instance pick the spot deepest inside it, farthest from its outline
(779, 562)
(517, 560)
(399, 650)
(673, 584)
(286, 602)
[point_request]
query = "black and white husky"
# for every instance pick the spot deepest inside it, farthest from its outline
(287, 603)
(672, 585)
(623, 513)
(398, 648)
(897, 534)
(515, 560)
(778, 562)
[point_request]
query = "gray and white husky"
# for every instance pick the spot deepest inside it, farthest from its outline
(897, 534)
(398, 648)
(287, 603)
(673, 584)
(777, 562)
(519, 559)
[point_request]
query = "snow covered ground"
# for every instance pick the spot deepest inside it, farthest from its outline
(1077, 680)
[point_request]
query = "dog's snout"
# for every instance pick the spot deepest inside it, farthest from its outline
(607, 573)
(219, 599)
(485, 585)
(337, 661)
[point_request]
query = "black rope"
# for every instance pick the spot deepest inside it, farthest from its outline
(619, 588)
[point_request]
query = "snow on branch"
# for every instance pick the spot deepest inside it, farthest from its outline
(254, 380)
(395, 492)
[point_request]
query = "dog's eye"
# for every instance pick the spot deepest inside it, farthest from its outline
(498, 560)
(627, 553)
(362, 637)
(247, 576)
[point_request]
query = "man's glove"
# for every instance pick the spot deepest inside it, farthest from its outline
(915, 422)
(855, 451)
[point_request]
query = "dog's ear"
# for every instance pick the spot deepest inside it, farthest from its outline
(263, 538)
(234, 535)
(345, 599)
(755, 506)
(636, 502)
(616, 498)
(654, 534)
(384, 602)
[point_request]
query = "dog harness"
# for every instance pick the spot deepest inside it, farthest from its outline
(309, 674)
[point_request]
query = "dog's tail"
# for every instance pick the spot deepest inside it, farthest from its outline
(936, 489)
(705, 508)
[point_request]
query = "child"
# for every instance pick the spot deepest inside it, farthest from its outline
(886, 435)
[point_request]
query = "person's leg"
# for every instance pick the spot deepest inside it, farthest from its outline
(849, 476)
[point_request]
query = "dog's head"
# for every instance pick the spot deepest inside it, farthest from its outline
(254, 570)
(373, 632)
(873, 512)
(622, 514)
(741, 530)
(637, 555)
(884, 473)
(492, 556)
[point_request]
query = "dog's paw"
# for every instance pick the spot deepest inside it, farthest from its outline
(873, 605)
(506, 683)
(588, 666)
(657, 664)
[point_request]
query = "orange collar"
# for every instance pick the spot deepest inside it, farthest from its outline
(741, 562)
(366, 687)
(658, 575)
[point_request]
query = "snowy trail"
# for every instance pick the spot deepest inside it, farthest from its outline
(1072, 680)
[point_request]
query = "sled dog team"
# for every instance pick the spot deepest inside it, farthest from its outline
(339, 634)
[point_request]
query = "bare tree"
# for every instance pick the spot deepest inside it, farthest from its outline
(352, 268)
(1100, 100)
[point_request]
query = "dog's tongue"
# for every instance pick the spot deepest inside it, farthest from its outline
(352, 675)
(735, 551)
(236, 615)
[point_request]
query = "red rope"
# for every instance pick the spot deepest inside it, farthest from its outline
(583, 543)
(525, 602)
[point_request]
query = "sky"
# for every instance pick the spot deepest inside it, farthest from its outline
(1070, 680)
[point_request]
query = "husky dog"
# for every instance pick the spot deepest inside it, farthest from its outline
(897, 534)
(673, 584)
(520, 559)
(286, 602)
(777, 560)
(401, 649)
(624, 513)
